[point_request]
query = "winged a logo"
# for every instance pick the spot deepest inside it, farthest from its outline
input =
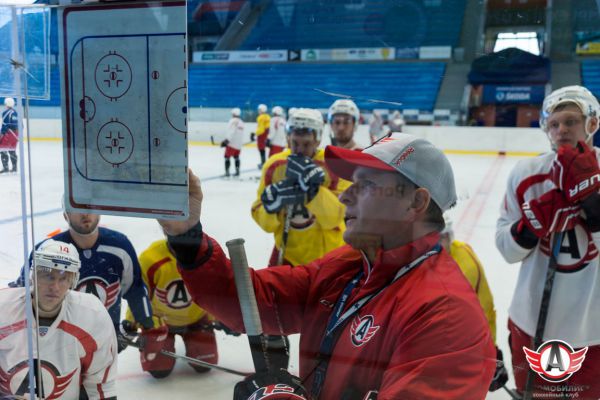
(555, 360)
(362, 330)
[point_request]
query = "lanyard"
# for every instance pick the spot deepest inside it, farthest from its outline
(338, 319)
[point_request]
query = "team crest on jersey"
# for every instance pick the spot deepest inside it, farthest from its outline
(576, 250)
(276, 391)
(107, 293)
(302, 218)
(555, 360)
(16, 380)
(362, 330)
(175, 295)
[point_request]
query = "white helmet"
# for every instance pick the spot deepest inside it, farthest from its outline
(396, 122)
(344, 106)
(578, 95)
(9, 102)
(60, 256)
(292, 110)
(277, 111)
(236, 112)
(262, 108)
(306, 118)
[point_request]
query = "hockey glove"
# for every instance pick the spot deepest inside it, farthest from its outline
(252, 137)
(268, 143)
(550, 213)
(152, 342)
(281, 194)
(308, 174)
(224, 143)
(127, 332)
(575, 171)
(501, 375)
(222, 327)
(272, 385)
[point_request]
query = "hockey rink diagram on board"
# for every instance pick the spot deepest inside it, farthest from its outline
(125, 86)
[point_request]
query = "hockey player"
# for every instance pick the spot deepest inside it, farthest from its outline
(343, 117)
(76, 347)
(9, 136)
(396, 122)
(376, 127)
(172, 303)
(109, 269)
(263, 122)
(298, 180)
(387, 316)
(277, 140)
(471, 267)
(234, 141)
(551, 193)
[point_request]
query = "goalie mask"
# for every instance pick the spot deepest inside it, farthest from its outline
(576, 95)
(306, 119)
(53, 255)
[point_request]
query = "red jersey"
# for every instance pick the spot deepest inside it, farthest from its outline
(423, 337)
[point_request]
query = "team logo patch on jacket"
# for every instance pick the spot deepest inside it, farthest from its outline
(362, 330)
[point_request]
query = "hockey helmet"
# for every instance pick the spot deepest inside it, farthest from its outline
(9, 102)
(262, 108)
(60, 256)
(344, 106)
(236, 112)
(306, 119)
(277, 110)
(578, 95)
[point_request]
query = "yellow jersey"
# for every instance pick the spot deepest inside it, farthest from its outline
(316, 227)
(171, 300)
(263, 122)
(471, 267)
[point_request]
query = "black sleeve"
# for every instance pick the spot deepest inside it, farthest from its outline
(591, 207)
(186, 246)
(523, 236)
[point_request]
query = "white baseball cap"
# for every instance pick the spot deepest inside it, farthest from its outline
(416, 159)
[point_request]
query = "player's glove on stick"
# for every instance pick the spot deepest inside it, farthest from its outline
(128, 331)
(280, 194)
(501, 375)
(308, 174)
(575, 171)
(224, 143)
(270, 385)
(550, 213)
(152, 340)
(268, 143)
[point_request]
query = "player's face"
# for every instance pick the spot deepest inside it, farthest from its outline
(566, 126)
(52, 287)
(303, 143)
(342, 126)
(377, 208)
(83, 224)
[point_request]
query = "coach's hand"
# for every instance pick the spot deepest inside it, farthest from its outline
(175, 228)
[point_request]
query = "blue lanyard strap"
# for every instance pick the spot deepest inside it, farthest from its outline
(338, 319)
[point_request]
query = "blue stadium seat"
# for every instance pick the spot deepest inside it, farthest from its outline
(414, 84)
(590, 75)
(296, 24)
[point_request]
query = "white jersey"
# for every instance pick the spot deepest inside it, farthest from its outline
(574, 311)
(277, 134)
(78, 349)
(235, 133)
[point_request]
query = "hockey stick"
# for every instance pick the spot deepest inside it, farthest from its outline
(191, 360)
(544, 306)
(286, 231)
(512, 393)
(245, 290)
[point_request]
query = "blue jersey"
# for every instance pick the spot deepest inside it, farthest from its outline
(9, 120)
(109, 270)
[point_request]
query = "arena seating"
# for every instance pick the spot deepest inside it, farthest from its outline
(590, 75)
(414, 84)
(364, 23)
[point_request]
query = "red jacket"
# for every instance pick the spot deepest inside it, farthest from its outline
(428, 337)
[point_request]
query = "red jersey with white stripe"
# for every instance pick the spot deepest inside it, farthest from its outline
(79, 349)
(574, 312)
